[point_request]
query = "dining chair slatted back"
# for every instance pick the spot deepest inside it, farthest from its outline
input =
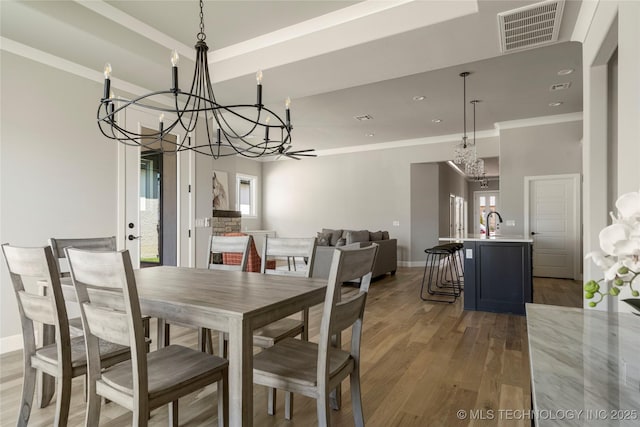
(338, 315)
(39, 264)
(316, 369)
(90, 243)
(110, 309)
(265, 337)
(66, 358)
(289, 248)
(229, 244)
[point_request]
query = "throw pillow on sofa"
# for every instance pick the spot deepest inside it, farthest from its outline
(375, 235)
(341, 242)
(324, 239)
(335, 235)
(357, 236)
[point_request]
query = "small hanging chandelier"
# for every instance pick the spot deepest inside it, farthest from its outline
(223, 139)
(484, 182)
(474, 168)
(463, 154)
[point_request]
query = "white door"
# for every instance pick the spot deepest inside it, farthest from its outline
(129, 166)
(553, 223)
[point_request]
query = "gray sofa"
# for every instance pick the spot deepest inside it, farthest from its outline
(386, 260)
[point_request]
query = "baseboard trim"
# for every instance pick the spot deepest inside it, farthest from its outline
(10, 343)
(410, 263)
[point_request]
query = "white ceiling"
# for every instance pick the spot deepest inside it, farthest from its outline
(335, 59)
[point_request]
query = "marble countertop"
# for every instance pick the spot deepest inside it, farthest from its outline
(585, 366)
(484, 237)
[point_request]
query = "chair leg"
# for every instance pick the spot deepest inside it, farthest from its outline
(94, 403)
(141, 416)
(288, 405)
(28, 388)
(63, 399)
(173, 414)
(356, 398)
(222, 343)
(271, 401)
(322, 407)
(223, 401)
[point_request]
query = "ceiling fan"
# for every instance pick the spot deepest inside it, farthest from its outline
(296, 154)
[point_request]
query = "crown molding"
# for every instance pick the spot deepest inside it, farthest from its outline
(539, 121)
(404, 143)
(62, 64)
(119, 17)
(584, 20)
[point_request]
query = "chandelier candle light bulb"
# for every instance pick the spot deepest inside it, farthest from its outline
(107, 80)
(259, 80)
(175, 59)
(287, 104)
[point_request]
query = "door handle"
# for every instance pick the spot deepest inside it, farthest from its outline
(533, 233)
(132, 237)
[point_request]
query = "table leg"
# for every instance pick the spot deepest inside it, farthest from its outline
(240, 373)
(162, 335)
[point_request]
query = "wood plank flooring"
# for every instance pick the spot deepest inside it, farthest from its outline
(422, 362)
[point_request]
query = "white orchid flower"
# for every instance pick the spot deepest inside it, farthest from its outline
(628, 205)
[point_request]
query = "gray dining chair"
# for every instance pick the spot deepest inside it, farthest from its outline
(280, 249)
(66, 358)
(87, 243)
(314, 370)
(106, 289)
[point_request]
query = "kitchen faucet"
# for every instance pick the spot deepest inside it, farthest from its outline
(487, 222)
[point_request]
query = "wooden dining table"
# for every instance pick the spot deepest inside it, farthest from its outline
(226, 301)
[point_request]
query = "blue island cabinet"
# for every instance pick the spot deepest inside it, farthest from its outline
(497, 276)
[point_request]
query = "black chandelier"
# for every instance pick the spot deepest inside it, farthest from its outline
(222, 138)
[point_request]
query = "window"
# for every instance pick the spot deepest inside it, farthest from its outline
(246, 194)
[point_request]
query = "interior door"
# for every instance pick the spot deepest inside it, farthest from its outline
(553, 221)
(131, 202)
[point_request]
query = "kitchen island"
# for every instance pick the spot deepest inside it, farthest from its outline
(497, 272)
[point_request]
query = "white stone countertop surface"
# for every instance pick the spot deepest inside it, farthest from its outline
(585, 366)
(484, 237)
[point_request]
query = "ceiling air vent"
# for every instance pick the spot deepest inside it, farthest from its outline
(530, 26)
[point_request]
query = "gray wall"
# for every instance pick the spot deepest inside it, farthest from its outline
(363, 190)
(536, 150)
(57, 173)
(204, 195)
(424, 208)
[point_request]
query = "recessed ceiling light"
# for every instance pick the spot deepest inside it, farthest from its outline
(555, 104)
(437, 120)
(565, 72)
(419, 98)
(370, 134)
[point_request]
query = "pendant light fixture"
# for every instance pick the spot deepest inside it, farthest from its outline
(463, 154)
(474, 168)
(249, 130)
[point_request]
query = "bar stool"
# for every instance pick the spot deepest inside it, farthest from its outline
(444, 273)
